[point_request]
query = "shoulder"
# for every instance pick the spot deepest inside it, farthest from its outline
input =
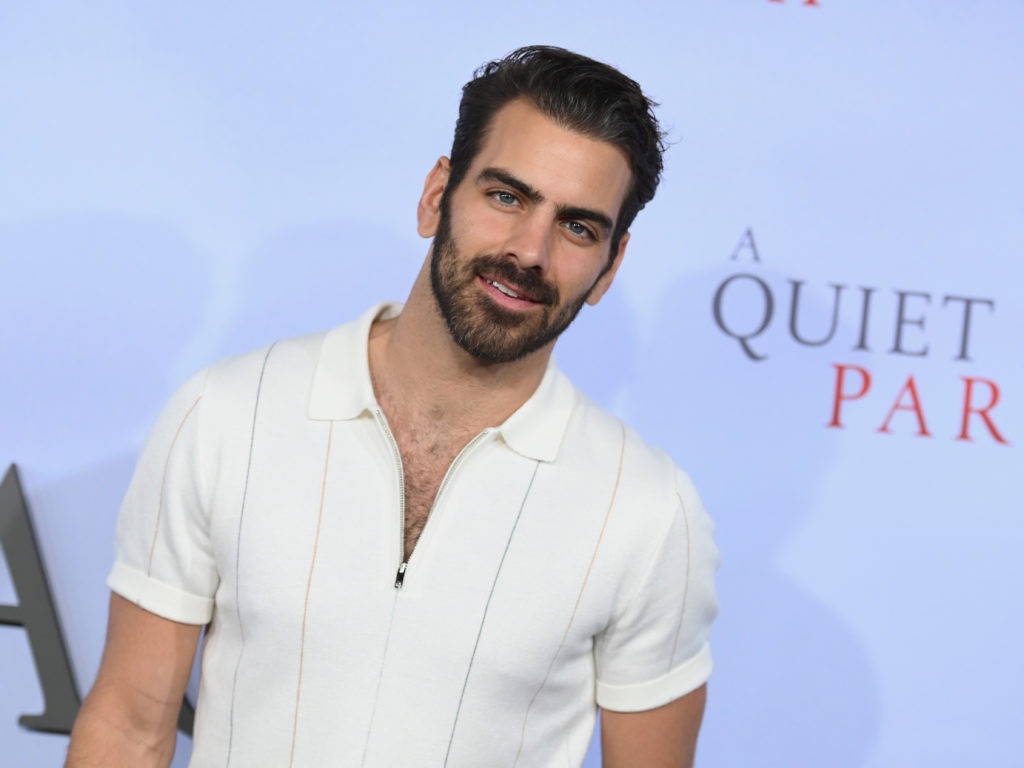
(295, 358)
(304, 371)
(658, 559)
(232, 386)
(644, 473)
(652, 503)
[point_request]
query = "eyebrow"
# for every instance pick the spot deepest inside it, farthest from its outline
(602, 221)
(501, 176)
(506, 178)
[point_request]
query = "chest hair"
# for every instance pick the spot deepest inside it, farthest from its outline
(427, 450)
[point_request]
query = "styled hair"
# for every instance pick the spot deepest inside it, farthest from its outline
(578, 93)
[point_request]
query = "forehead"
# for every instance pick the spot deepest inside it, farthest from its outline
(565, 166)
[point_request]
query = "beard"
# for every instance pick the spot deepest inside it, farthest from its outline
(489, 332)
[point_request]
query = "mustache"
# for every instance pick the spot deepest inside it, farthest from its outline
(526, 281)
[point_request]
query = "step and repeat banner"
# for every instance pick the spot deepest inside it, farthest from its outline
(819, 316)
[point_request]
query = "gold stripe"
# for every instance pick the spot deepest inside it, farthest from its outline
(163, 486)
(579, 597)
(309, 583)
(686, 589)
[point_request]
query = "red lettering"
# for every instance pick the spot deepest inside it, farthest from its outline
(806, 2)
(969, 383)
(914, 405)
(841, 394)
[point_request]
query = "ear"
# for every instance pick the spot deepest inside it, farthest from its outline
(604, 282)
(428, 212)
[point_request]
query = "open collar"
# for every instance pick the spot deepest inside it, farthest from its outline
(342, 390)
(341, 383)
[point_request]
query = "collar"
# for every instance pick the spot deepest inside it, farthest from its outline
(341, 382)
(342, 390)
(536, 429)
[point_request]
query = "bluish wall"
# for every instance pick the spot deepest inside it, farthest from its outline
(180, 183)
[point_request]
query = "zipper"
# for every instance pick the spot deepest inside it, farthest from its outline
(403, 564)
(454, 465)
(400, 576)
(397, 456)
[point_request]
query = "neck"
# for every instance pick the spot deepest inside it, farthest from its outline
(418, 368)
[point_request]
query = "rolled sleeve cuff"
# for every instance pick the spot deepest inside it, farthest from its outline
(159, 598)
(660, 691)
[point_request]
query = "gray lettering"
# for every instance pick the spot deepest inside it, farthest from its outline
(794, 312)
(769, 309)
(902, 320)
(35, 612)
(965, 331)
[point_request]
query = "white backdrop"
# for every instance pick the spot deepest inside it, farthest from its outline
(180, 183)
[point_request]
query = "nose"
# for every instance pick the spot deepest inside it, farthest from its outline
(529, 241)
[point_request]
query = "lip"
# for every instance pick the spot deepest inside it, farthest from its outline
(522, 301)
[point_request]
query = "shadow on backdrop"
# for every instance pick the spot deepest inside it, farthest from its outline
(598, 351)
(311, 279)
(792, 682)
(97, 309)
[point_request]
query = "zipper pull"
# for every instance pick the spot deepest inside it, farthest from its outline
(400, 576)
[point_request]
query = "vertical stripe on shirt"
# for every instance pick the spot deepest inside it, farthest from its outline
(579, 596)
(686, 591)
(309, 584)
(238, 550)
(163, 485)
(380, 678)
(487, 605)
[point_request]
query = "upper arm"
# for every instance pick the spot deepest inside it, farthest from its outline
(655, 648)
(665, 737)
(653, 660)
(131, 714)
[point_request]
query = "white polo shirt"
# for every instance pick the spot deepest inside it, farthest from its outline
(566, 564)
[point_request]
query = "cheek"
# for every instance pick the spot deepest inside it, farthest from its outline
(478, 227)
(580, 270)
(483, 231)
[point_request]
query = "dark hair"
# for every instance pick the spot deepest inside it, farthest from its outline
(576, 92)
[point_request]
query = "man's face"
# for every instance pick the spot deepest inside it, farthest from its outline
(523, 241)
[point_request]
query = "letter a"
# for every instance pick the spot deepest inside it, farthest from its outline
(35, 612)
(746, 243)
(914, 405)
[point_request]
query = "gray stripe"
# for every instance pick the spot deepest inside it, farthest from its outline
(380, 677)
(238, 550)
(487, 605)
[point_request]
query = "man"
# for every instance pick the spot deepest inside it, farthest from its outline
(414, 542)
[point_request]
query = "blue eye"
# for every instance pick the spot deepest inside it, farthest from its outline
(504, 198)
(579, 230)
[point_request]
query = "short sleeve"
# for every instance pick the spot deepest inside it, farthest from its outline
(656, 649)
(163, 559)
